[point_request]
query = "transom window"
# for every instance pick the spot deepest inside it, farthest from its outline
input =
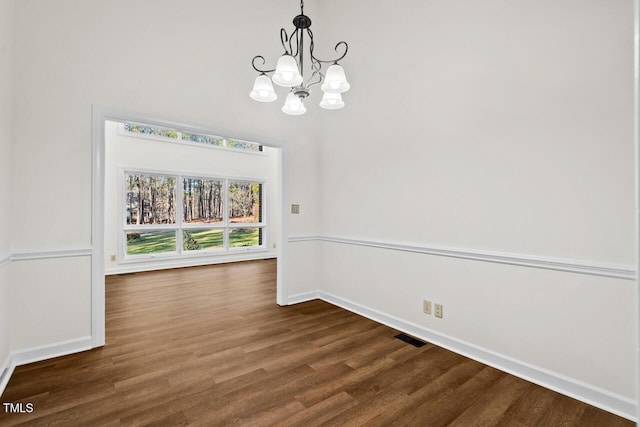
(167, 214)
(157, 132)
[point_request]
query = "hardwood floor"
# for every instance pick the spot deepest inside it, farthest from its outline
(208, 346)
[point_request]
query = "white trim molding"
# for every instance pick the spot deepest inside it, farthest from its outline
(5, 259)
(611, 402)
(193, 262)
(37, 354)
(303, 297)
(593, 268)
(63, 348)
(636, 147)
(51, 254)
(6, 370)
(299, 239)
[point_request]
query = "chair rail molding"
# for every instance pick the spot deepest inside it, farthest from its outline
(593, 268)
(5, 259)
(52, 253)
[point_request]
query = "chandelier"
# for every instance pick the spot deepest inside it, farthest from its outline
(289, 71)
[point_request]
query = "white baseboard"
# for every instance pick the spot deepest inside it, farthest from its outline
(611, 402)
(6, 370)
(37, 354)
(303, 297)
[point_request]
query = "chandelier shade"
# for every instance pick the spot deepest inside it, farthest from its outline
(335, 80)
(263, 89)
(287, 73)
(293, 105)
(331, 101)
(290, 69)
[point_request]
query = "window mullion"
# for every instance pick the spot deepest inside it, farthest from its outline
(179, 215)
(226, 214)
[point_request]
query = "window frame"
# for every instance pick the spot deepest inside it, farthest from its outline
(180, 225)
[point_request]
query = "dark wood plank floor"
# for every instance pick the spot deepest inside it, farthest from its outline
(208, 346)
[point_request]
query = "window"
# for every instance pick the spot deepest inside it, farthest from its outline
(190, 138)
(176, 215)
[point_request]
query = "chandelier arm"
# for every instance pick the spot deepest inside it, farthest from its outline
(297, 43)
(295, 34)
(253, 64)
(284, 38)
(316, 67)
(340, 58)
(311, 45)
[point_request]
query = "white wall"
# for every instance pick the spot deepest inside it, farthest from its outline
(34, 318)
(6, 135)
(493, 126)
(187, 62)
(126, 152)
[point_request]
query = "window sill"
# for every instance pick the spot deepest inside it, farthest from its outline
(157, 263)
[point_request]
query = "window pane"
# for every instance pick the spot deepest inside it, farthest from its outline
(239, 237)
(245, 202)
(202, 200)
(150, 130)
(199, 138)
(150, 199)
(202, 139)
(198, 240)
(242, 145)
(150, 242)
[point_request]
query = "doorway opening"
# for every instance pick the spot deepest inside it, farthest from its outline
(168, 195)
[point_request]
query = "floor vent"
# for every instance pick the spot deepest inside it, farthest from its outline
(410, 340)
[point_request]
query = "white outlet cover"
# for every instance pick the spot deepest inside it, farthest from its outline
(426, 307)
(438, 310)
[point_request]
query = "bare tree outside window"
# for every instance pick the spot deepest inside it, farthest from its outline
(202, 200)
(150, 199)
(245, 202)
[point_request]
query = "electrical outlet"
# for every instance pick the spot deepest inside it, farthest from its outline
(426, 307)
(274, 246)
(295, 209)
(438, 310)
(113, 258)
